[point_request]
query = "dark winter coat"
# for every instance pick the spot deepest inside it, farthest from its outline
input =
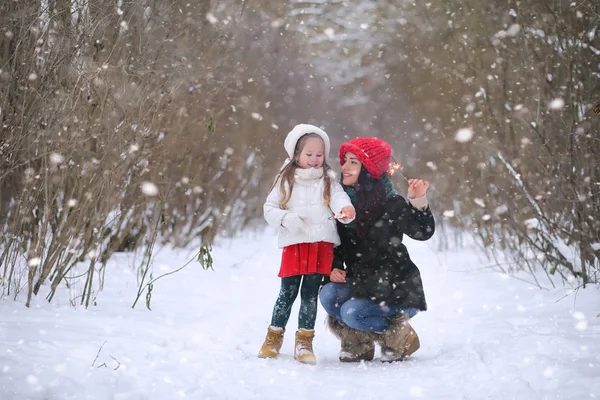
(379, 267)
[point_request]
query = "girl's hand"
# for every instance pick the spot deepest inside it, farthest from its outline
(348, 212)
(417, 188)
(295, 223)
(337, 275)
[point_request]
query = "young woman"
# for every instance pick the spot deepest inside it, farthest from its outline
(375, 287)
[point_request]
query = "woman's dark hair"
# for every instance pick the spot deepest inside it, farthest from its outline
(370, 198)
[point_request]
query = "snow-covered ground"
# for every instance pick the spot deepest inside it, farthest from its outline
(485, 336)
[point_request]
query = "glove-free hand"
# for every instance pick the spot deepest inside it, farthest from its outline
(294, 223)
(346, 216)
(337, 275)
(417, 188)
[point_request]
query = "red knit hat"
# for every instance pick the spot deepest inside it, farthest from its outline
(375, 154)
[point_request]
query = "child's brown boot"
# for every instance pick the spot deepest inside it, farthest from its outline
(272, 343)
(303, 350)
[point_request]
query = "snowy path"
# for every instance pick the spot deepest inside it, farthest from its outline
(484, 337)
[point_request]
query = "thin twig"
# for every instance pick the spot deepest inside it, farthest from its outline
(118, 363)
(98, 354)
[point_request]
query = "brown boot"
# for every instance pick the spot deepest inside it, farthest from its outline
(303, 350)
(356, 345)
(272, 343)
(399, 341)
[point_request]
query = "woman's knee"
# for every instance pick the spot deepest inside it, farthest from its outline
(328, 296)
(410, 312)
(333, 295)
(350, 313)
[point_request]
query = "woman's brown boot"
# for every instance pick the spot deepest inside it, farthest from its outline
(356, 345)
(399, 341)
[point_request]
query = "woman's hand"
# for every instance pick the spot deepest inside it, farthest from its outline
(337, 275)
(417, 188)
(346, 216)
(348, 212)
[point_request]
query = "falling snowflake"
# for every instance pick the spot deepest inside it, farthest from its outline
(56, 159)
(513, 30)
(579, 315)
(210, 17)
(449, 213)
(503, 209)
(431, 165)
(34, 262)
(463, 135)
(71, 203)
(557, 104)
(548, 372)
(149, 189)
(257, 116)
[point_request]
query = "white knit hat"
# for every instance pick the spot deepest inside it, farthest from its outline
(300, 130)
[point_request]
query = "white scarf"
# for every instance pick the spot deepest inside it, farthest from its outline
(308, 176)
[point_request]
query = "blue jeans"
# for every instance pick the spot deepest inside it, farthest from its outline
(362, 314)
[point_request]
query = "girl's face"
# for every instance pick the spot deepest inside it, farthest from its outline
(312, 155)
(350, 169)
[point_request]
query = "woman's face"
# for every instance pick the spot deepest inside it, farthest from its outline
(350, 169)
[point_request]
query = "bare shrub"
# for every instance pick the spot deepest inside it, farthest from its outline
(521, 78)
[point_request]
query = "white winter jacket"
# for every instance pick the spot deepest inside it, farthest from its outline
(306, 219)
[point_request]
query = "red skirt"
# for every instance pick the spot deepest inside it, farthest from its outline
(306, 258)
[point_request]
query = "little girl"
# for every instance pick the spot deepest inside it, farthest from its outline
(303, 203)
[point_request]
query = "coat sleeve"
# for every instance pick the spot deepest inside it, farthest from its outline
(272, 212)
(415, 223)
(338, 258)
(338, 262)
(339, 199)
